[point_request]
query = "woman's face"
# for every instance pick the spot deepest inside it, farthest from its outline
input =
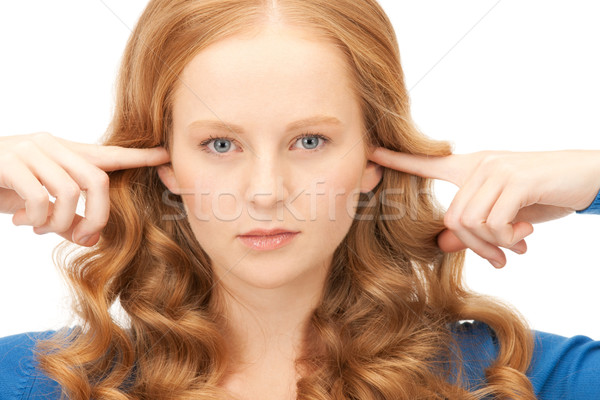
(257, 96)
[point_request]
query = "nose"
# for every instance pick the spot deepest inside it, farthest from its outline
(266, 183)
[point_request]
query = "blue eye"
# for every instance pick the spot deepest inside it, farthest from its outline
(311, 140)
(222, 145)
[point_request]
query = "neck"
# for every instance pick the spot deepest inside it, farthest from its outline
(265, 326)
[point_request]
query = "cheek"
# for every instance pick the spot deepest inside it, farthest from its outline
(338, 206)
(210, 198)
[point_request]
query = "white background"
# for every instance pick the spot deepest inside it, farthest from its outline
(502, 75)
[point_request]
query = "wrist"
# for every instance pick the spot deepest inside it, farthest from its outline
(594, 206)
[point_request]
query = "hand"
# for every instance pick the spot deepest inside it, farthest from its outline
(28, 163)
(502, 193)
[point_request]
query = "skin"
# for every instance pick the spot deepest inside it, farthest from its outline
(262, 84)
(502, 193)
(37, 164)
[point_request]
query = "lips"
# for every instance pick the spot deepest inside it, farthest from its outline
(267, 232)
(267, 239)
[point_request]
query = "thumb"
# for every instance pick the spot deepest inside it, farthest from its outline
(448, 242)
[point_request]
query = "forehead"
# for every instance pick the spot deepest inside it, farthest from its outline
(279, 71)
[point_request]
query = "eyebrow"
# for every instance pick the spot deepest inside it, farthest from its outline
(302, 123)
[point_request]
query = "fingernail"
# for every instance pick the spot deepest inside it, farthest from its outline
(519, 251)
(496, 264)
(40, 231)
(84, 239)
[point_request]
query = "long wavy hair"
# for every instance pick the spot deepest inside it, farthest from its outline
(383, 328)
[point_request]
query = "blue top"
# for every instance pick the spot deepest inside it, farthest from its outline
(593, 208)
(561, 368)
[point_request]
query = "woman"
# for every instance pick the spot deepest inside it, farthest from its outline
(266, 116)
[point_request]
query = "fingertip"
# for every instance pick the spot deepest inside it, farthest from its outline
(88, 240)
(383, 150)
(16, 220)
(93, 240)
(381, 155)
(372, 151)
(162, 155)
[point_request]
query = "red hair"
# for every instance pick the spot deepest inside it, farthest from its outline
(382, 329)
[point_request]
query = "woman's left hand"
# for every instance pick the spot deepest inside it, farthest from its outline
(502, 193)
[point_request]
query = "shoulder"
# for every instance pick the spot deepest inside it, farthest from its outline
(565, 367)
(19, 375)
(561, 367)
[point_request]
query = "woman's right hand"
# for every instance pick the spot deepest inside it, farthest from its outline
(30, 162)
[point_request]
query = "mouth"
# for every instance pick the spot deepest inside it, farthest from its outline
(262, 239)
(267, 232)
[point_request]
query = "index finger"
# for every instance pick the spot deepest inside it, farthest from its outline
(434, 167)
(111, 158)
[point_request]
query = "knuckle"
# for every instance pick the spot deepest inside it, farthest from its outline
(451, 221)
(470, 221)
(499, 228)
(39, 198)
(498, 164)
(25, 147)
(495, 224)
(42, 137)
(97, 220)
(489, 161)
(8, 159)
(70, 191)
(101, 179)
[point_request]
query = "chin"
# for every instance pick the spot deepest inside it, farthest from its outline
(264, 276)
